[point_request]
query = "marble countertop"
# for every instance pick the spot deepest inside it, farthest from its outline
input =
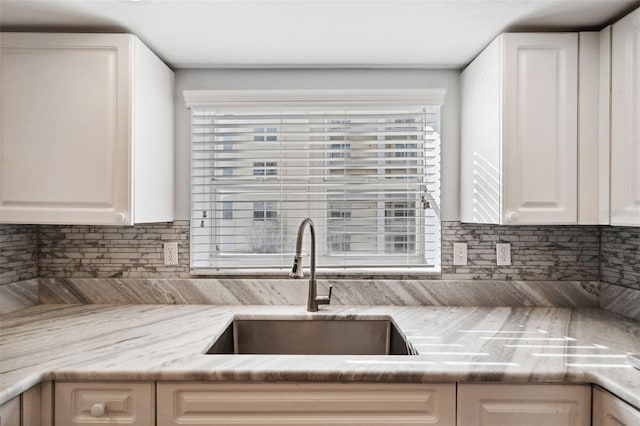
(455, 344)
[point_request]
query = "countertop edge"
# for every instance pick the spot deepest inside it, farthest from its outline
(68, 374)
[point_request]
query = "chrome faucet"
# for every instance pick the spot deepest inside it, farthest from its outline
(296, 271)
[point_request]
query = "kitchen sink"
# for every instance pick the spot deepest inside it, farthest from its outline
(333, 336)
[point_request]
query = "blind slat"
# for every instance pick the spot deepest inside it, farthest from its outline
(363, 177)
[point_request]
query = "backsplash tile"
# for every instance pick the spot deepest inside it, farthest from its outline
(556, 253)
(620, 256)
(112, 251)
(18, 253)
(621, 300)
(553, 264)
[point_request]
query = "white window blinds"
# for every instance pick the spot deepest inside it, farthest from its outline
(368, 177)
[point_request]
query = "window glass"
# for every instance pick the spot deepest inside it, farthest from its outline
(369, 179)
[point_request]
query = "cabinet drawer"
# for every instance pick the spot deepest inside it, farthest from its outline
(509, 405)
(105, 403)
(611, 411)
(305, 404)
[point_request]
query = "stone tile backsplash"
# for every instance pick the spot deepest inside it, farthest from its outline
(620, 256)
(556, 253)
(18, 253)
(565, 253)
(538, 252)
(112, 251)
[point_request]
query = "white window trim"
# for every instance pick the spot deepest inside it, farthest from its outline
(242, 100)
(290, 99)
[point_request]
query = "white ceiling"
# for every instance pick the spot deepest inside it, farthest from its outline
(312, 33)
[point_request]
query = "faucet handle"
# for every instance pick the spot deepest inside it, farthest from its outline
(325, 300)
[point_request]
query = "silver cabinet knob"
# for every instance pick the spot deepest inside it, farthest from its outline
(97, 410)
(120, 217)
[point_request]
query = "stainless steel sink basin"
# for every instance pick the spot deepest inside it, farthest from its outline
(312, 337)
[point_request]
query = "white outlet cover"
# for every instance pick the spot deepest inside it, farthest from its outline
(460, 254)
(171, 253)
(503, 254)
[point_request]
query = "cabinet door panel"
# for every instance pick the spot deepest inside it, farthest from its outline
(65, 129)
(524, 405)
(122, 403)
(540, 128)
(610, 411)
(37, 405)
(10, 412)
(309, 404)
(625, 121)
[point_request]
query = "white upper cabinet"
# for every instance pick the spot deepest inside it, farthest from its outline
(519, 161)
(625, 121)
(87, 130)
(539, 128)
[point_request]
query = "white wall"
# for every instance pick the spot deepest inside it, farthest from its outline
(325, 79)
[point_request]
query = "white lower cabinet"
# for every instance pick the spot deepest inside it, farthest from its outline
(114, 403)
(251, 404)
(611, 411)
(305, 404)
(10, 412)
(524, 405)
(32, 408)
(37, 405)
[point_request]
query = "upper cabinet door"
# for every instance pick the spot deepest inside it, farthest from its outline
(519, 150)
(65, 129)
(87, 130)
(625, 121)
(540, 105)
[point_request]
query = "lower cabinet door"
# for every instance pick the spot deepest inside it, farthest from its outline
(524, 405)
(611, 411)
(105, 403)
(10, 412)
(187, 404)
(37, 405)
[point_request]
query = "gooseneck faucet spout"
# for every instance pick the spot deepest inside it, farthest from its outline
(296, 271)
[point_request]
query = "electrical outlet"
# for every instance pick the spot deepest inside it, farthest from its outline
(459, 253)
(503, 253)
(170, 253)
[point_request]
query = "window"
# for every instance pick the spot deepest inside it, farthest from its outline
(400, 220)
(368, 176)
(263, 210)
(339, 243)
(265, 168)
(340, 150)
(227, 210)
(270, 134)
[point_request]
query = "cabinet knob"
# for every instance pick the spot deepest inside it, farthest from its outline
(97, 410)
(512, 217)
(120, 217)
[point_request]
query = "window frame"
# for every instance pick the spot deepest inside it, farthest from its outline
(231, 101)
